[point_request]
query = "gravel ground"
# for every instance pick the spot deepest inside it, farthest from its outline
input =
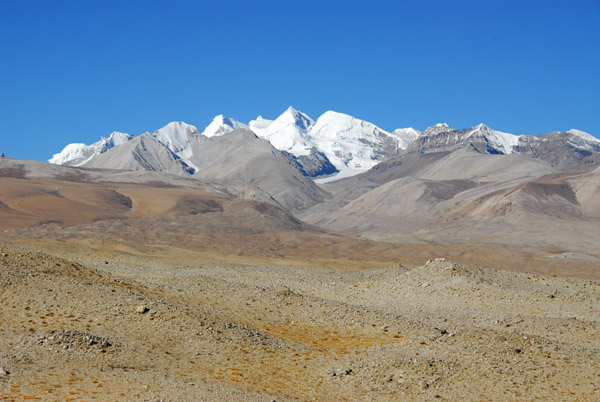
(143, 323)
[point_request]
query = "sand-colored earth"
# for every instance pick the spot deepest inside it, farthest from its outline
(226, 328)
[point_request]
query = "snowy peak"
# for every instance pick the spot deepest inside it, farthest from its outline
(222, 124)
(259, 125)
(288, 132)
(582, 134)
(437, 129)
(295, 117)
(498, 142)
(352, 145)
(177, 136)
(582, 140)
(117, 138)
(78, 154)
(406, 135)
(333, 125)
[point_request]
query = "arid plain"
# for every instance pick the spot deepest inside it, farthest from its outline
(122, 286)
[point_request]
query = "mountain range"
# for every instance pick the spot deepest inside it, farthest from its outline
(337, 145)
(344, 174)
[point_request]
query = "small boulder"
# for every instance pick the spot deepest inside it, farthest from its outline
(142, 309)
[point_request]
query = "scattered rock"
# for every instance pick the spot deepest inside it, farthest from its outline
(75, 339)
(518, 350)
(4, 372)
(142, 309)
(424, 385)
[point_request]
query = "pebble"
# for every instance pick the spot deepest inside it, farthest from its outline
(142, 309)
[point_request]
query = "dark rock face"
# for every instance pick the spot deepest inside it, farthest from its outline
(568, 151)
(314, 164)
(442, 138)
(561, 150)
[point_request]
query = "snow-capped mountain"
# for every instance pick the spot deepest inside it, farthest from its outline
(408, 135)
(222, 124)
(259, 125)
(288, 132)
(568, 151)
(352, 145)
(442, 137)
(143, 152)
(336, 143)
(78, 154)
(582, 140)
(177, 136)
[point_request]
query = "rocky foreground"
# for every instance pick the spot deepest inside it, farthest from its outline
(111, 321)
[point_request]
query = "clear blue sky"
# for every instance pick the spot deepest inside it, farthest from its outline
(72, 71)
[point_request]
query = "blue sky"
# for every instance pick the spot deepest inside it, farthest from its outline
(73, 71)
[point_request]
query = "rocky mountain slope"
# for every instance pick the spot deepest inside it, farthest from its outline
(467, 196)
(570, 151)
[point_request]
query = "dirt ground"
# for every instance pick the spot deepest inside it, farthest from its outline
(87, 318)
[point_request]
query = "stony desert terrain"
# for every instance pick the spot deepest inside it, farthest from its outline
(135, 290)
(111, 321)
